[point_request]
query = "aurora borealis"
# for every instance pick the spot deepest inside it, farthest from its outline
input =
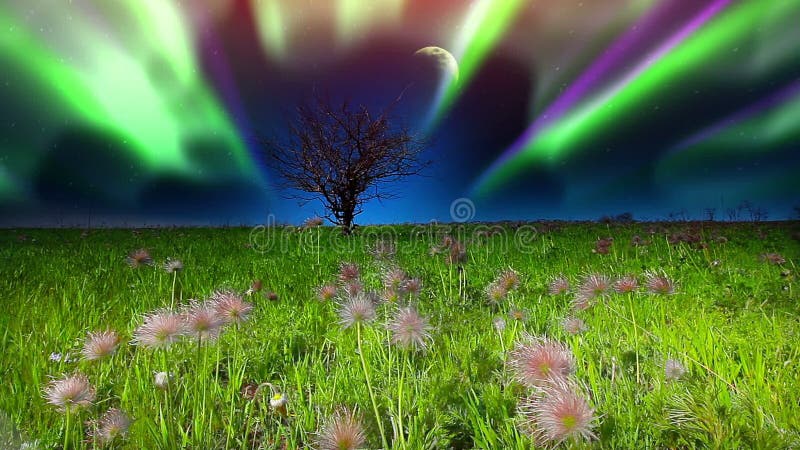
(151, 111)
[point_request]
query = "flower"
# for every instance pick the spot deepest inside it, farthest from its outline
(773, 258)
(173, 265)
(230, 307)
(556, 414)
(326, 292)
(349, 272)
(100, 344)
(673, 370)
(202, 321)
(393, 279)
(626, 284)
(410, 329)
(353, 288)
(659, 283)
(254, 287)
(355, 310)
(313, 222)
(518, 314)
(113, 424)
(343, 431)
(412, 286)
(538, 361)
(159, 330)
(499, 324)
(574, 325)
(582, 301)
(70, 393)
(161, 380)
(278, 403)
(139, 257)
(496, 292)
(594, 285)
(559, 285)
(508, 279)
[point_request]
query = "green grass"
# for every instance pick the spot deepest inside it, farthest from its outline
(733, 322)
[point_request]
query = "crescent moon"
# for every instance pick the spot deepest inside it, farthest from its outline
(444, 59)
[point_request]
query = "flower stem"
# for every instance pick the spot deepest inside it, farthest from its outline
(66, 428)
(400, 432)
(369, 387)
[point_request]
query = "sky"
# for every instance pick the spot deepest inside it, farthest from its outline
(148, 112)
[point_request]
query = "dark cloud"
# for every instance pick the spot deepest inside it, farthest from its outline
(88, 169)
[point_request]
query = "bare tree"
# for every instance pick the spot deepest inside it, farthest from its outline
(344, 157)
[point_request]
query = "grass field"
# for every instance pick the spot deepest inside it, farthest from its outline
(724, 314)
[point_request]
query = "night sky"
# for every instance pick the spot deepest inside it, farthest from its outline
(150, 111)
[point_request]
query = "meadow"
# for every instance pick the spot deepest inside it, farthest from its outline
(514, 336)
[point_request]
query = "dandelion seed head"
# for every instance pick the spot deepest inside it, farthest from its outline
(173, 265)
(626, 284)
(343, 431)
(70, 393)
(538, 361)
(230, 307)
(326, 292)
(557, 414)
(659, 283)
(574, 325)
(98, 345)
(355, 310)
(159, 330)
(114, 424)
(203, 323)
(559, 285)
(673, 370)
(138, 258)
(410, 329)
(349, 272)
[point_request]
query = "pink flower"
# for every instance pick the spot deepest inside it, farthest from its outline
(159, 330)
(538, 361)
(70, 393)
(100, 344)
(410, 329)
(556, 414)
(343, 431)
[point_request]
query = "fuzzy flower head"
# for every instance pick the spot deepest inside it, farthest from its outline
(343, 431)
(326, 292)
(673, 370)
(557, 414)
(70, 393)
(161, 380)
(518, 314)
(574, 325)
(173, 265)
(626, 284)
(393, 279)
(412, 286)
(559, 285)
(582, 301)
(98, 345)
(114, 424)
(410, 329)
(773, 258)
(140, 257)
(349, 272)
(496, 293)
(159, 330)
(313, 222)
(499, 324)
(353, 288)
(594, 285)
(659, 283)
(508, 279)
(203, 323)
(356, 310)
(230, 307)
(538, 361)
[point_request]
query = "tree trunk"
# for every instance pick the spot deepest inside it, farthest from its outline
(347, 220)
